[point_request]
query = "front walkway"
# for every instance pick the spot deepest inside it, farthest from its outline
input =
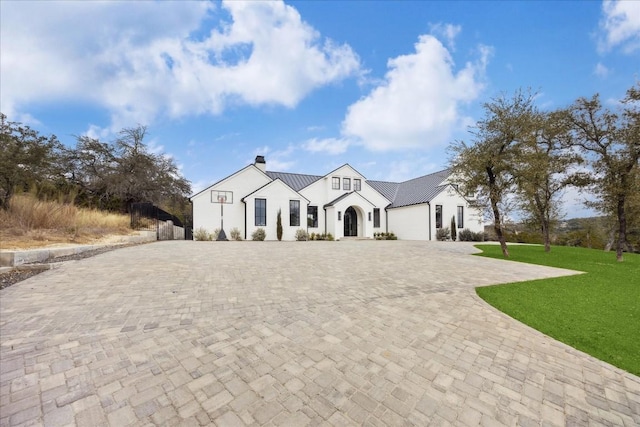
(298, 333)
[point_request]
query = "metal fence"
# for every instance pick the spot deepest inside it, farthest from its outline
(148, 217)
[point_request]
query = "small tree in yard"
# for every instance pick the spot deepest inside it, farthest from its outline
(279, 225)
(454, 236)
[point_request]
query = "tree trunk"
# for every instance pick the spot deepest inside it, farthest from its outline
(497, 226)
(622, 228)
(545, 235)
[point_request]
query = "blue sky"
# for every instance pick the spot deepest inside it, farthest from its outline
(384, 86)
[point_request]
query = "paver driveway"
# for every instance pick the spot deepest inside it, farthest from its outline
(269, 333)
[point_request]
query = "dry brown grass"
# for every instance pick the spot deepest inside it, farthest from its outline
(30, 222)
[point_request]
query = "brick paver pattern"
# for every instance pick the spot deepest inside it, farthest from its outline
(371, 333)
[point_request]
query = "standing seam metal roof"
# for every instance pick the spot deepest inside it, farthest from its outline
(297, 181)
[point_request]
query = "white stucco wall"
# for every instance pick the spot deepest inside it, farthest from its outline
(410, 222)
(277, 195)
(207, 214)
(450, 200)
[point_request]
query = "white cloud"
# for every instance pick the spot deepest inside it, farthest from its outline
(447, 32)
(418, 103)
(327, 145)
(140, 60)
(601, 71)
(620, 25)
(278, 160)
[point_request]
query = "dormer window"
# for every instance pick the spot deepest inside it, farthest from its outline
(346, 184)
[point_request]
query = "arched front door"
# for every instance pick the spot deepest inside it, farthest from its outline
(350, 222)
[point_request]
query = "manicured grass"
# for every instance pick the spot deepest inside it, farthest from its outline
(597, 312)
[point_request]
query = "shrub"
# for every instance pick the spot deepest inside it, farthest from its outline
(202, 234)
(235, 234)
(279, 225)
(215, 234)
(385, 236)
(454, 236)
(443, 234)
(312, 236)
(301, 235)
(259, 234)
(467, 235)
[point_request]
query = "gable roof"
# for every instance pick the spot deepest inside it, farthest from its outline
(414, 191)
(344, 196)
(297, 181)
(252, 166)
(271, 183)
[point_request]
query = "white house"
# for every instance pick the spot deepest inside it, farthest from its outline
(342, 202)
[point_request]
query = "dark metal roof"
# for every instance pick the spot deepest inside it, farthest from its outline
(387, 189)
(420, 190)
(297, 181)
(414, 191)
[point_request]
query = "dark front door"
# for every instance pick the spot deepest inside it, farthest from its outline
(350, 222)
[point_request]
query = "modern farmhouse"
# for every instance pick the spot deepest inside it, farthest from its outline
(342, 202)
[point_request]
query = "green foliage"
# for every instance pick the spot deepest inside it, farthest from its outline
(27, 160)
(201, 234)
(454, 235)
(611, 141)
(467, 235)
(385, 236)
(235, 234)
(443, 234)
(279, 225)
(301, 235)
(259, 235)
(323, 236)
(596, 312)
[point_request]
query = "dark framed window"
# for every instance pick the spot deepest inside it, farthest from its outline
(294, 213)
(376, 217)
(369, 216)
(438, 216)
(261, 212)
(357, 184)
(335, 183)
(339, 216)
(460, 216)
(346, 184)
(312, 216)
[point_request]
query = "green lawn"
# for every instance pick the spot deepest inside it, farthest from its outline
(597, 312)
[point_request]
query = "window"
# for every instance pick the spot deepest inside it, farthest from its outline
(376, 218)
(460, 216)
(357, 185)
(261, 212)
(335, 183)
(294, 213)
(438, 216)
(369, 216)
(312, 216)
(339, 216)
(346, 184)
